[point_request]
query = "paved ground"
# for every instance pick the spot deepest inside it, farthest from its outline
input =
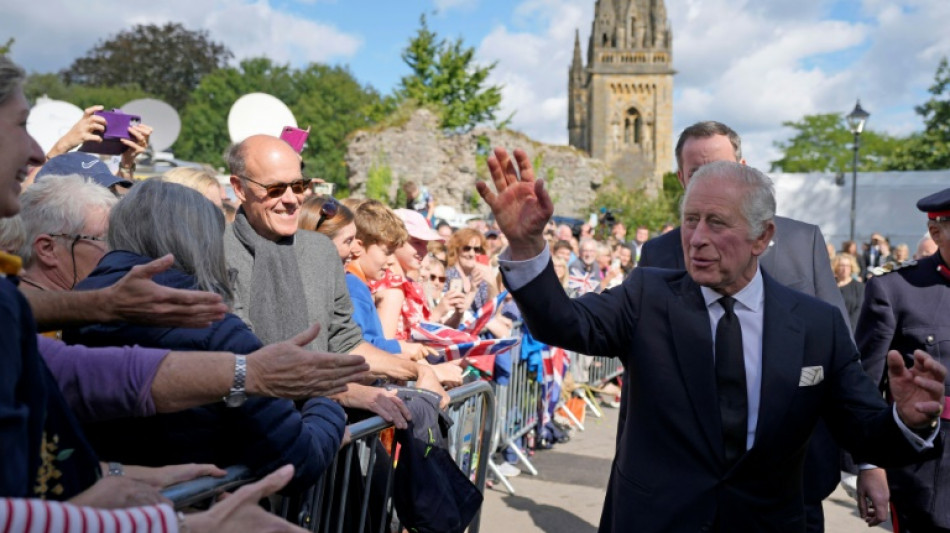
(568, 493)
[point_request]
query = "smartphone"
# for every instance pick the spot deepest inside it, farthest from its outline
(615, 264)
(456, 285)
(481, 259)
(117, 128)
(295, 137)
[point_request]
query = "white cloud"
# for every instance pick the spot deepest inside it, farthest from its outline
(751, 64)
(247, 28)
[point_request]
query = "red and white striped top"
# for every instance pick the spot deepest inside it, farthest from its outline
(41, 516)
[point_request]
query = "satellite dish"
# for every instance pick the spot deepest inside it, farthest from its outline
(163, 119)
(51, 119)
(258, 113)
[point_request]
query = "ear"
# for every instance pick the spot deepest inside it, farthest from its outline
(761, 244)
(934, 230)
(357, 250)
(238, 185)
(681, 177)
(44, 251)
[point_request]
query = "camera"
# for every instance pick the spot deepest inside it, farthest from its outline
(117, 128)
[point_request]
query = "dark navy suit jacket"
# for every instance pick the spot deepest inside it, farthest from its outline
(796, 258)
(669, 473)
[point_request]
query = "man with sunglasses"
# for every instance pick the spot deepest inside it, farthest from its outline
(285, 280)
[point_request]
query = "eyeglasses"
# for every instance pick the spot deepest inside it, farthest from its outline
(433, 278)
(77, 237)
(477, 249)
(329, 209)
(276, 190)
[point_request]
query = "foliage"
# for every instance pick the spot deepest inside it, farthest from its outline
(444, 74)
(929, 150)
(823, 143)
(328, 99)
(168, 60)
(6, 47)
(634, 207)
(378, 180)
(52, 86)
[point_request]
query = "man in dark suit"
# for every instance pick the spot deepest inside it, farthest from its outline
(907, 307)
(796, 257)
(718, 422)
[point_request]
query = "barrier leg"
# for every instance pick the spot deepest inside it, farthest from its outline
(504, 481)
(522, 458)
(570, 416)
(586, 395)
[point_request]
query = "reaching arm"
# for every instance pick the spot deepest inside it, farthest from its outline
(134, 298)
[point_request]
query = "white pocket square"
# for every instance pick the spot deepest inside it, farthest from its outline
(811, 375)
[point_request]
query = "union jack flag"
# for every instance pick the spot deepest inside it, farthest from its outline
(583, 284)
(476, 323)
(453, 344)
(555, 362)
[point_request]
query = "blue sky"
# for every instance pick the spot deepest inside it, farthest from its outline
(750, 63)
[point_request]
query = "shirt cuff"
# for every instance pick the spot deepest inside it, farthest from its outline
(520, 273)
(919, 443)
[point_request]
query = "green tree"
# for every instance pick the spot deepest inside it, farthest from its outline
(328, 99)
(5, 48)
(929, 150)
(169, 60)
(52, 86)
(634, 207)
(445, 75)
(822, 143)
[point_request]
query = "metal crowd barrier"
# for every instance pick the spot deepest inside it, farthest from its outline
(331, 505)
(593, 372)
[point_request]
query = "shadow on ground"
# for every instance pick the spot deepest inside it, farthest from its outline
(549, 518)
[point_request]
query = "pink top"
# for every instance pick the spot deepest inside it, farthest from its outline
(414, 308)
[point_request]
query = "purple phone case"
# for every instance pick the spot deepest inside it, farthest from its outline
(117, 128)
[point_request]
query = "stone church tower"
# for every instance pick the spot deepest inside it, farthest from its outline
(621, 104)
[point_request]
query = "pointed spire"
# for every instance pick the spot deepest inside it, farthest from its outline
(577, 63)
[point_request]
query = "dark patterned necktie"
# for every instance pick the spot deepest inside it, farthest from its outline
(730, 382)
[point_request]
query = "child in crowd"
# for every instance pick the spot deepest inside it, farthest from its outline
(379, 233)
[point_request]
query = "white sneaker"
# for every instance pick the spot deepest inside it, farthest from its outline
(508, 470)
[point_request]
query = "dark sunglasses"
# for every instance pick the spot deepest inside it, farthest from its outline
(276, 190)
(434, 278)
(329, 209)
(478, 249)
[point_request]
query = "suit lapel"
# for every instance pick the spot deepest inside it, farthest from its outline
(783, 344)
(692, 338)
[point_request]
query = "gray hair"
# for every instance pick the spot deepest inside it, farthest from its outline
(11, 76)
(704, 130)
(237, 159)
(60, 204)
(11, 234)
(157, 218)
(758, 200)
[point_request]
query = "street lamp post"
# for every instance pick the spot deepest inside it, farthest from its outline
(856, 120)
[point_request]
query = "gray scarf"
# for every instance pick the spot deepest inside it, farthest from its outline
(277, 306)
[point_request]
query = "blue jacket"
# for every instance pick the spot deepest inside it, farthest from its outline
(263, 434)
(364, 314)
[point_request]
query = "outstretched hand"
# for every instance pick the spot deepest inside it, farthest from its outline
(136, 298)
(521, 206)
(917, 391)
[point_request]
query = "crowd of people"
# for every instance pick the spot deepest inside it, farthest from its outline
(157, 330)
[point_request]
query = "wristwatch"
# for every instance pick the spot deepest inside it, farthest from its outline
(237, 395)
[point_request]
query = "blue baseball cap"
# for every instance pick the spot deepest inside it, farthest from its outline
(86, 165)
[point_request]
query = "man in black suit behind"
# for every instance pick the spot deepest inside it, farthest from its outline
(787, 360)
(796, 257)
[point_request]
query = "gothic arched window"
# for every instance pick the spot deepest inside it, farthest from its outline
(632, 126)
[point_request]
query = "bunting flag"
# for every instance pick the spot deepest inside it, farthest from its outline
(432, 334)
(583, 284)
(477, 322)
